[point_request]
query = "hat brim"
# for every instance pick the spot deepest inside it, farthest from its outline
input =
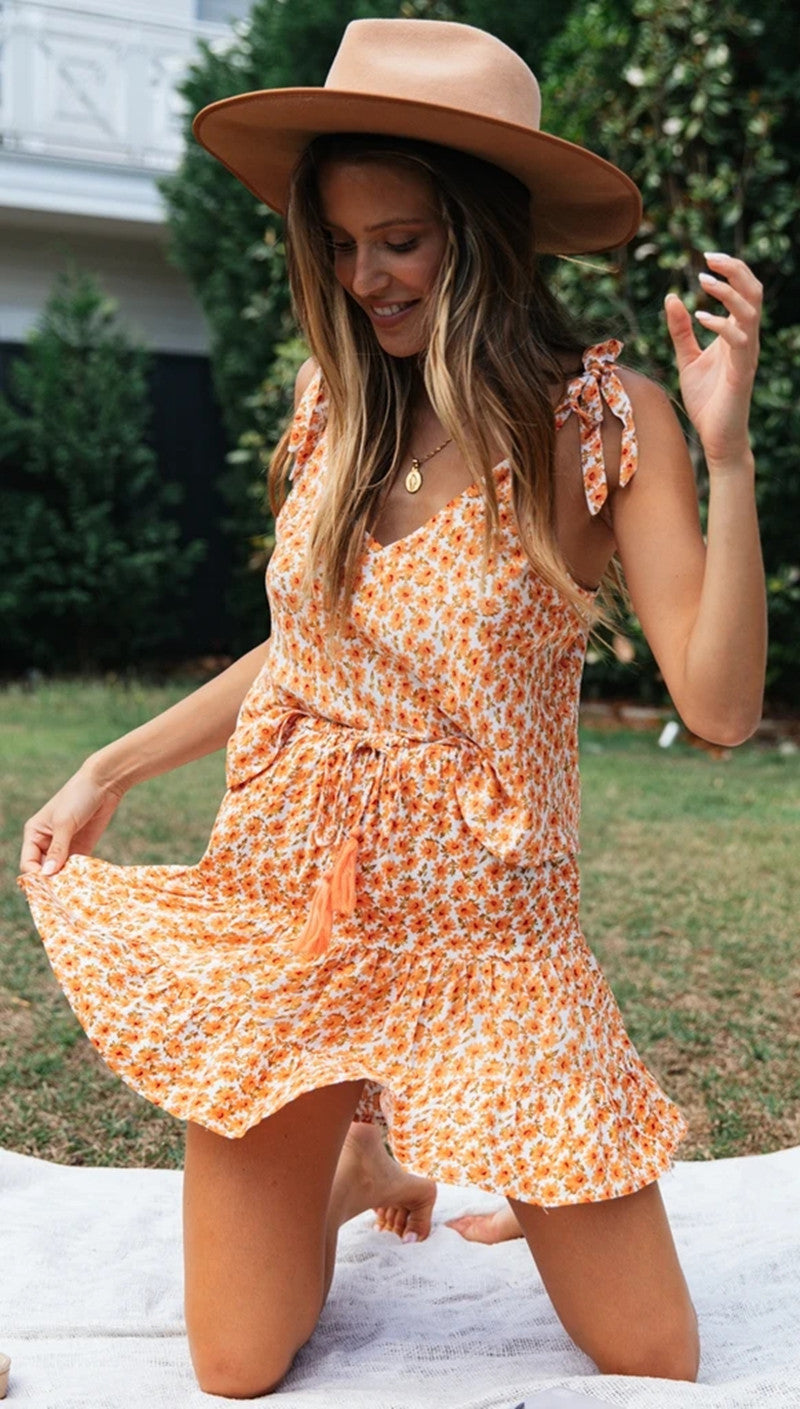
(581, 203)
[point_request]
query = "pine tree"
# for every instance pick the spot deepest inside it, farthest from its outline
(92, 567)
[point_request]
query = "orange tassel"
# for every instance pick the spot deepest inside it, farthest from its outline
(335, 893)
(343, 877)
(317, 933)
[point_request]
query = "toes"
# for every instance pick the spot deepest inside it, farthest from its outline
(397, 1223)
(391, 1220)
(418, 1225)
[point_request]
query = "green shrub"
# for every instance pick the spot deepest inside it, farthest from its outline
(92, 567)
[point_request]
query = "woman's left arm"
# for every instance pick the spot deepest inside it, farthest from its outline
(702, 606)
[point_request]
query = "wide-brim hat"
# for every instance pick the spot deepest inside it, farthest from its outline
(438, 82)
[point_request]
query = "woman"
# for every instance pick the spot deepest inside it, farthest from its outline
(385, 923)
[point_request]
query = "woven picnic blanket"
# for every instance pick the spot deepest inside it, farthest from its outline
(91, 1302)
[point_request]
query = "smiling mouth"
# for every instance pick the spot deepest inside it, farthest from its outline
(385, 312)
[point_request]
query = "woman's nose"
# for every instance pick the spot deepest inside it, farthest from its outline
(369, 276)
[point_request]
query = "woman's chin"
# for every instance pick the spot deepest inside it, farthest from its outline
(399, 347)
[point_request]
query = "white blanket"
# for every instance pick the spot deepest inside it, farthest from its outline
(90, 1302)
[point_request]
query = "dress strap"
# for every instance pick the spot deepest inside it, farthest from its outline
(598, 383)
(308, 424)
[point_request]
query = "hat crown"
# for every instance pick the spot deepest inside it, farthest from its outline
(436, 61)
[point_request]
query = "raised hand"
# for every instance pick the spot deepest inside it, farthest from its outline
(717, 381)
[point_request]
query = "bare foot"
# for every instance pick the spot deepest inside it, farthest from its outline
(498, 1227)
(403, 1202)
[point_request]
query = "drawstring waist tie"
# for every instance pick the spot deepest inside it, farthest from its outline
(335, 893)
(352, 764)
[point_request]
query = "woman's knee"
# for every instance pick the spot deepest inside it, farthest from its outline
(668, 1349)
(237, 1375)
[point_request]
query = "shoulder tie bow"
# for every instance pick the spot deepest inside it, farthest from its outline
(600, 383)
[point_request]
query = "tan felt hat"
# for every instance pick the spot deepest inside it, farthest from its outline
(439, 82)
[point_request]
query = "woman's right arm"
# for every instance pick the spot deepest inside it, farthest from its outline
(75, 818)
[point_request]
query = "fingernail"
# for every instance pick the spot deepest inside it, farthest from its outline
(49, 867)
(706, 278)
(715, 254)
(411, 1237)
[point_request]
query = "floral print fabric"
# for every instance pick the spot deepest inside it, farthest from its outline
(441, 739)
(585, 396)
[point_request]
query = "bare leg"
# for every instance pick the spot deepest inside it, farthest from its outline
(613, 1276)
(260, 1239)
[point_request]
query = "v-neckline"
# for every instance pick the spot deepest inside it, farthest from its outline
(468, 491)
(374, 546)
(377, 549)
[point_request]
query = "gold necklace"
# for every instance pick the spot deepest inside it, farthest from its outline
(414, 478)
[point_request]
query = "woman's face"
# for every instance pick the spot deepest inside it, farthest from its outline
(388, 241)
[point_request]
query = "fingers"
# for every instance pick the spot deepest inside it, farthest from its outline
(35, 843)
(739, 275)
(72, 821)
(43, 851)
(736, 287)
(57, 853)
(679, 323)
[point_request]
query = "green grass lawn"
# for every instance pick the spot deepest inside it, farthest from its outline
(690, 900)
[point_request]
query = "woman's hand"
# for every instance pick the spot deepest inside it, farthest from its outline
(717, 381)
(71, 822)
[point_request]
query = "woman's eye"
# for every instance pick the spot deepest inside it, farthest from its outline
(347, 246)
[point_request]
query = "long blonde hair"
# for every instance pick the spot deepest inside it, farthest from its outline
(496, 335)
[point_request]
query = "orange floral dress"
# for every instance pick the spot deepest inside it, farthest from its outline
(390, 891)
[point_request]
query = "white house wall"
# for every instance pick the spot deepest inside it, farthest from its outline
(156, 303)
(90, 117)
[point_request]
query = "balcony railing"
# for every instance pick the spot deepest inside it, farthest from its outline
(95, 83)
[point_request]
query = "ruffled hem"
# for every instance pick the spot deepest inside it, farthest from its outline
(509, 1104)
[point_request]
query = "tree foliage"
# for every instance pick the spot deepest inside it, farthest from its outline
(693, 99)
(92, 564)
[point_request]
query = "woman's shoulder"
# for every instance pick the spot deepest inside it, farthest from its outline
(304, 378)
(647, 396)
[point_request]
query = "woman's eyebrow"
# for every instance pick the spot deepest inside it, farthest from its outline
(383, 224)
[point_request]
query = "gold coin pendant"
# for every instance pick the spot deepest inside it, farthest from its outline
(413, 479)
